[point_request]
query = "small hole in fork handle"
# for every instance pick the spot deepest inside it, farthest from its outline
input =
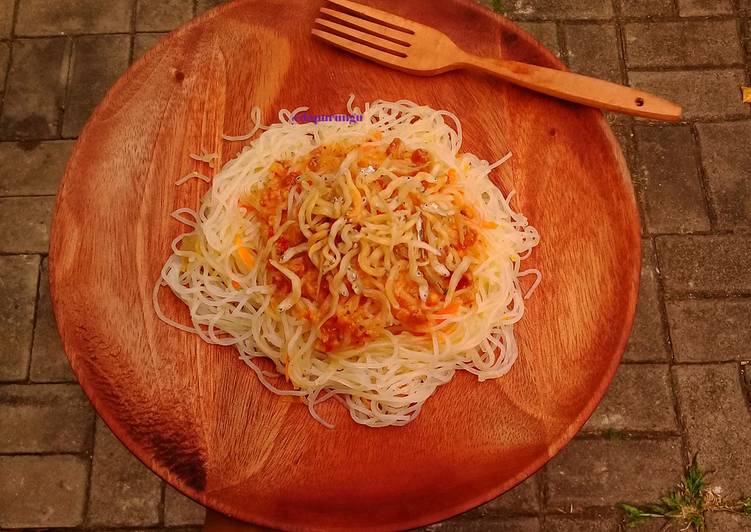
(640, 102)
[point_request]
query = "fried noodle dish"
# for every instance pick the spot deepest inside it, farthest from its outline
(367, 260)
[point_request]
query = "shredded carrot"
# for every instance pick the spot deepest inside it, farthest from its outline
(245, 256)
(489, 225)
(236, 285)
(286, 369)
(451, 308)
(377, 135)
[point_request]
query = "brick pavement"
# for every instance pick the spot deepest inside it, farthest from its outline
(680, 389)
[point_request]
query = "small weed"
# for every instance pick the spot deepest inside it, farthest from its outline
(688, 503)
(497, 6)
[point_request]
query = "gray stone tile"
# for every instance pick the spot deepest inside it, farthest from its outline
(601, 523)
(545, 32)
(700, 8)
(705, 264)
(639, 399)
(6, 17)
(42, 491)
(24, 224)
(561, 9)
(42, 17)
(35, 90)
(48, 360)
(727, 160)
(725, 522)
(695, 42)
(4, 58)
(669, 174)
(710, 330)
(180, 510)
(18, 288)
(647, 8)
(506, 524)
(718, 424)
(144, 42)
(205, 5)
(123, 491)
(647, 341)
(162, 15)
(98, 60)
(524, 498)
(701, 93)
(45, 418)
(593, 50)
(594, 472)
(32, 168)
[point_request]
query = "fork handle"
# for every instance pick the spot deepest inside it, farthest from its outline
(577, 88)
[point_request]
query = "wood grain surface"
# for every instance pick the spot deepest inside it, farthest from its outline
(196, 414)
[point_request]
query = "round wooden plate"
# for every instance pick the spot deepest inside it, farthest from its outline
(195, 414)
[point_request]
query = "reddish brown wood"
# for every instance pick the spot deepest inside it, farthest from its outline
(196, 415)
(427, 51)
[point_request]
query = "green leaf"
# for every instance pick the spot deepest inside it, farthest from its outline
(745, 506)
(694, 483)
(635, 515)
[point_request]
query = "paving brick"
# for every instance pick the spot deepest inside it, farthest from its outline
(42, 491)
(705, 264)
(508, 524)
(144, 42)
(725, 522)
(123, 491)
(647, 341)
(180, 510)
(42, 17)
(718, 424)
(35, 88)
(45, 418)
(205, 5)
(524, 498)
(727, 159)
(593, 50)
(98, 60)
(18, 288)
(32, 168)
(601, 523)
(698, 42)
(162, 15)
(646, 8)
(698, 8)
(6, 17)
(668, 173)
(48, 361)
(24, 224)
(545, 32)
(561, 9)
(604, 472)
(639, 399)
(710, 330)
(701, 93)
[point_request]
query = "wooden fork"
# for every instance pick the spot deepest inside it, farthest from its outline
(418, 49)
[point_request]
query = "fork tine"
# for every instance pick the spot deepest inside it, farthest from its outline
(358, 49)
(367, 38)
(383, 17)
(397, 36)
